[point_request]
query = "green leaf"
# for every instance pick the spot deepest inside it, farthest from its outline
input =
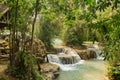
(90, 2)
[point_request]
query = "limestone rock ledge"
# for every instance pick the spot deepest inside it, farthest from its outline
(87, 54)
(49, 71)
(68, 59)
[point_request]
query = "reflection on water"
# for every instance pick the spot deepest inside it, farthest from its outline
(89, 70)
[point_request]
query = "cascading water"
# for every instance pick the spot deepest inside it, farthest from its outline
(53, 58)
(66, 58)
(98, 51)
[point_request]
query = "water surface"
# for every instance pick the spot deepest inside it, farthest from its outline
(89, 70)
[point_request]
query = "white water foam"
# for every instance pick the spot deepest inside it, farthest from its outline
(98, 51)
(68, 67)
(54, 59)
(66, 58)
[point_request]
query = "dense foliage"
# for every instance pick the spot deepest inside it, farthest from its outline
(89, 20)
(63, 19)
(21, 62)
(74, 21)
(108, 26)
(113, 47)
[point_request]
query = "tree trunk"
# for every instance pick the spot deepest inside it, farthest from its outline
(13, 35)
(31, 53)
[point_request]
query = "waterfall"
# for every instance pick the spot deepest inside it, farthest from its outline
(98, 51)
(53, 58)
(66, 58)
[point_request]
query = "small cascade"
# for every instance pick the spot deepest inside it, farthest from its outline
(69, 56)
(66, 58)
(98, 51)
(53, 58)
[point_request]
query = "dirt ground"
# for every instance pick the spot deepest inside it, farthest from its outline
(3, 67)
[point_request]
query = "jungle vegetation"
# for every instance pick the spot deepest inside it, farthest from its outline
(74, 21)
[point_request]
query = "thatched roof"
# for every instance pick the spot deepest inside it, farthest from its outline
(3, 9)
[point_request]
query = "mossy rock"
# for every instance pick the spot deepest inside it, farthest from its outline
(39, 49)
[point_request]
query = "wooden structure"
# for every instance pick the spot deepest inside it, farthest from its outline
(4, 21)
(4, 16)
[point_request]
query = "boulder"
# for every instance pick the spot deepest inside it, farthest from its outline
(68, 59)
(39, 49)
(92, 54)
(87, 54)
(83, 54)
(65, 59)
(4, 47)
(51, 71)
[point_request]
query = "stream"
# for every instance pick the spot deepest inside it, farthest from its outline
(73, 68)
(89, 70)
